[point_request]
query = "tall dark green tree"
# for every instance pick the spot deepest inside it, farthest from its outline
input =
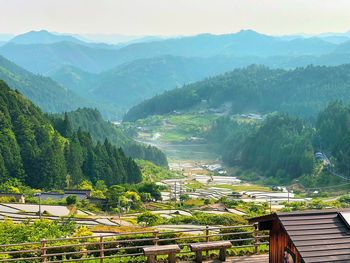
(74, 160)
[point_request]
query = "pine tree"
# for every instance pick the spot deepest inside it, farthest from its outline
(74, 160)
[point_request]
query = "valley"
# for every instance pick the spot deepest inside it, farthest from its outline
(167, 139)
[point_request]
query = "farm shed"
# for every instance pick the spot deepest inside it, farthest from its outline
(308, 236)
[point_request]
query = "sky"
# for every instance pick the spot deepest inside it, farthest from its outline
(175, 17)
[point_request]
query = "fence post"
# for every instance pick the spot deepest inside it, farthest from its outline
(206, 233)
(155, 236)
(256, 238)
(102, 253)
(207, 238)
(43, 251)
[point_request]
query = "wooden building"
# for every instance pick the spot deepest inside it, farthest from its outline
(308, 236)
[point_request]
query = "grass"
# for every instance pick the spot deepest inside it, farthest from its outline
(194, 184)
(159, 206)
(119, 229)
(154, 173)
(194, 202)
(178, 128)
(240, 188)
(175, 136)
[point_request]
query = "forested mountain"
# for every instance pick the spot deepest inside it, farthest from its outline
(303, 91)
(75, 79)
(333, 135)
(119, 77)
(115, 78)
(282, 147)
(43, 91)
(130, 83)
(35, 153)
(90, 120)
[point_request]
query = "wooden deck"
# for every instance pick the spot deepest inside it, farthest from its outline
(244, 259)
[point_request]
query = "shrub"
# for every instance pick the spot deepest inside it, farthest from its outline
(72, 200)
(149, 219)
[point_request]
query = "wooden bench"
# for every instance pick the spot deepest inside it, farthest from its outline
(200, 247)
(170, 250)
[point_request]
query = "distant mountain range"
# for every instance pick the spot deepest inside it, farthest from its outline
(41, 52)
(117, 77)
(42, 37)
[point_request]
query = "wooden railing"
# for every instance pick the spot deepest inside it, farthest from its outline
(97, 249)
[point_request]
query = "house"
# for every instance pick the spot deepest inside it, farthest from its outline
(19, 198)
(81, 194)
(51, 195)
(308, 236)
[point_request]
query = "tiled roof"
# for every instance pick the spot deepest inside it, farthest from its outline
(319, 235)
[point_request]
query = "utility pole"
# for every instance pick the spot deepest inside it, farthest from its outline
(40, 206)
(39, 195)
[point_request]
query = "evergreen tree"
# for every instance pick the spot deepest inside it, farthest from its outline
(74, 160)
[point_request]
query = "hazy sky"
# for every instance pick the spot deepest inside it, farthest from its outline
(175, 17)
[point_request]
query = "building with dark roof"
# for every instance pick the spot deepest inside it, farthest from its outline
(80, 194)
(308, 236)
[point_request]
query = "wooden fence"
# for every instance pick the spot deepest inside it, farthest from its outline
(98, 249)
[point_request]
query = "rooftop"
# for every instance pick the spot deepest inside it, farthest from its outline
(318, 235)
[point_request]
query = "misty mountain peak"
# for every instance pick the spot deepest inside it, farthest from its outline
(42, 37)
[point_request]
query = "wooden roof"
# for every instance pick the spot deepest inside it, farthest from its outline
(319, 235)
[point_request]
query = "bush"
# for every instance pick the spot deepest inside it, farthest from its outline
(208, 219)
(72, 200)
(149, 219)
(33, 231)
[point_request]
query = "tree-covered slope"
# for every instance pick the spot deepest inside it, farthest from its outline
(75, 79)
(302, 91)
(35, 153)
(90, 120)
(43, 91)
(282, 148)
(130, 83)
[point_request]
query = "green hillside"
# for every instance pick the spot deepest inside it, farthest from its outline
(282, 148)
(90, 120)
(35, 153)
(43, 91)
(303, 92)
